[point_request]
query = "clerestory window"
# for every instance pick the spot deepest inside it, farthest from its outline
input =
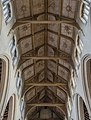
(85, 9)
(6, 10)
(18, 83)
(13, 51)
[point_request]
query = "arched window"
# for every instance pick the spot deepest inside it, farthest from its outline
(22, 108)
(88, 69)
(72, 82)
(79, 45)
(77, 58)
(3, 77)
(5, 117)
(18, 83)
(9, 111)
(78, 51)
(82, 109)
(86, 114)
(84, 12)
(86, 74)
(6, 10)
(69, 107)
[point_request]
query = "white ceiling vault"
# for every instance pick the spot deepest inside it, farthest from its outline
(46, 33)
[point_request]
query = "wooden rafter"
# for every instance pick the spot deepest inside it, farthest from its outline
(54, 95)
(28, 36)
(61, 35)
(33, 98)
(60, 106)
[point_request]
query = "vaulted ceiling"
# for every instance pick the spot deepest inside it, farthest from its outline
(46, 33)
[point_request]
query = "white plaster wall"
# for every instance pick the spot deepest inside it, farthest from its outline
(86, 50)
(4, 50)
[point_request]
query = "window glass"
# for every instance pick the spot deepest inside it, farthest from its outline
(6, 10)
(85, 9)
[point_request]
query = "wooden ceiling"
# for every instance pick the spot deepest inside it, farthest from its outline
(46, 33)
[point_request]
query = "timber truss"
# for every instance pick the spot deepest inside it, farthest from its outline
(46, 35)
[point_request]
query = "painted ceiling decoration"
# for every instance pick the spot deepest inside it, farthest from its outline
(45, 33)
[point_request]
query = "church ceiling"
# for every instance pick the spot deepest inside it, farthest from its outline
(46, 33)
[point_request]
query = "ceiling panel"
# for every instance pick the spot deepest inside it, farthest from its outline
(65, 45)
(67, 30)
(52, 39)
(54, 7)
(39, 39)
(39, 66)
(28, 72)
(24, 30)
(69, 8)
(22, 8)
(63, 73)
(39, 4)
(25, 45)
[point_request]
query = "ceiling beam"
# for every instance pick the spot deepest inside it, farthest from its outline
(46, 104)
(60, 106)
(46, 84)
(44, 21)
(23, 21)
(46, 35)
(28, 20)
(45, 57)
(62, 56)
(45, 119)
(14, 0)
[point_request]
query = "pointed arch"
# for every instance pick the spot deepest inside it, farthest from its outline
(10, 109)
(4, 74)
(81, 108)
(86, 70)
